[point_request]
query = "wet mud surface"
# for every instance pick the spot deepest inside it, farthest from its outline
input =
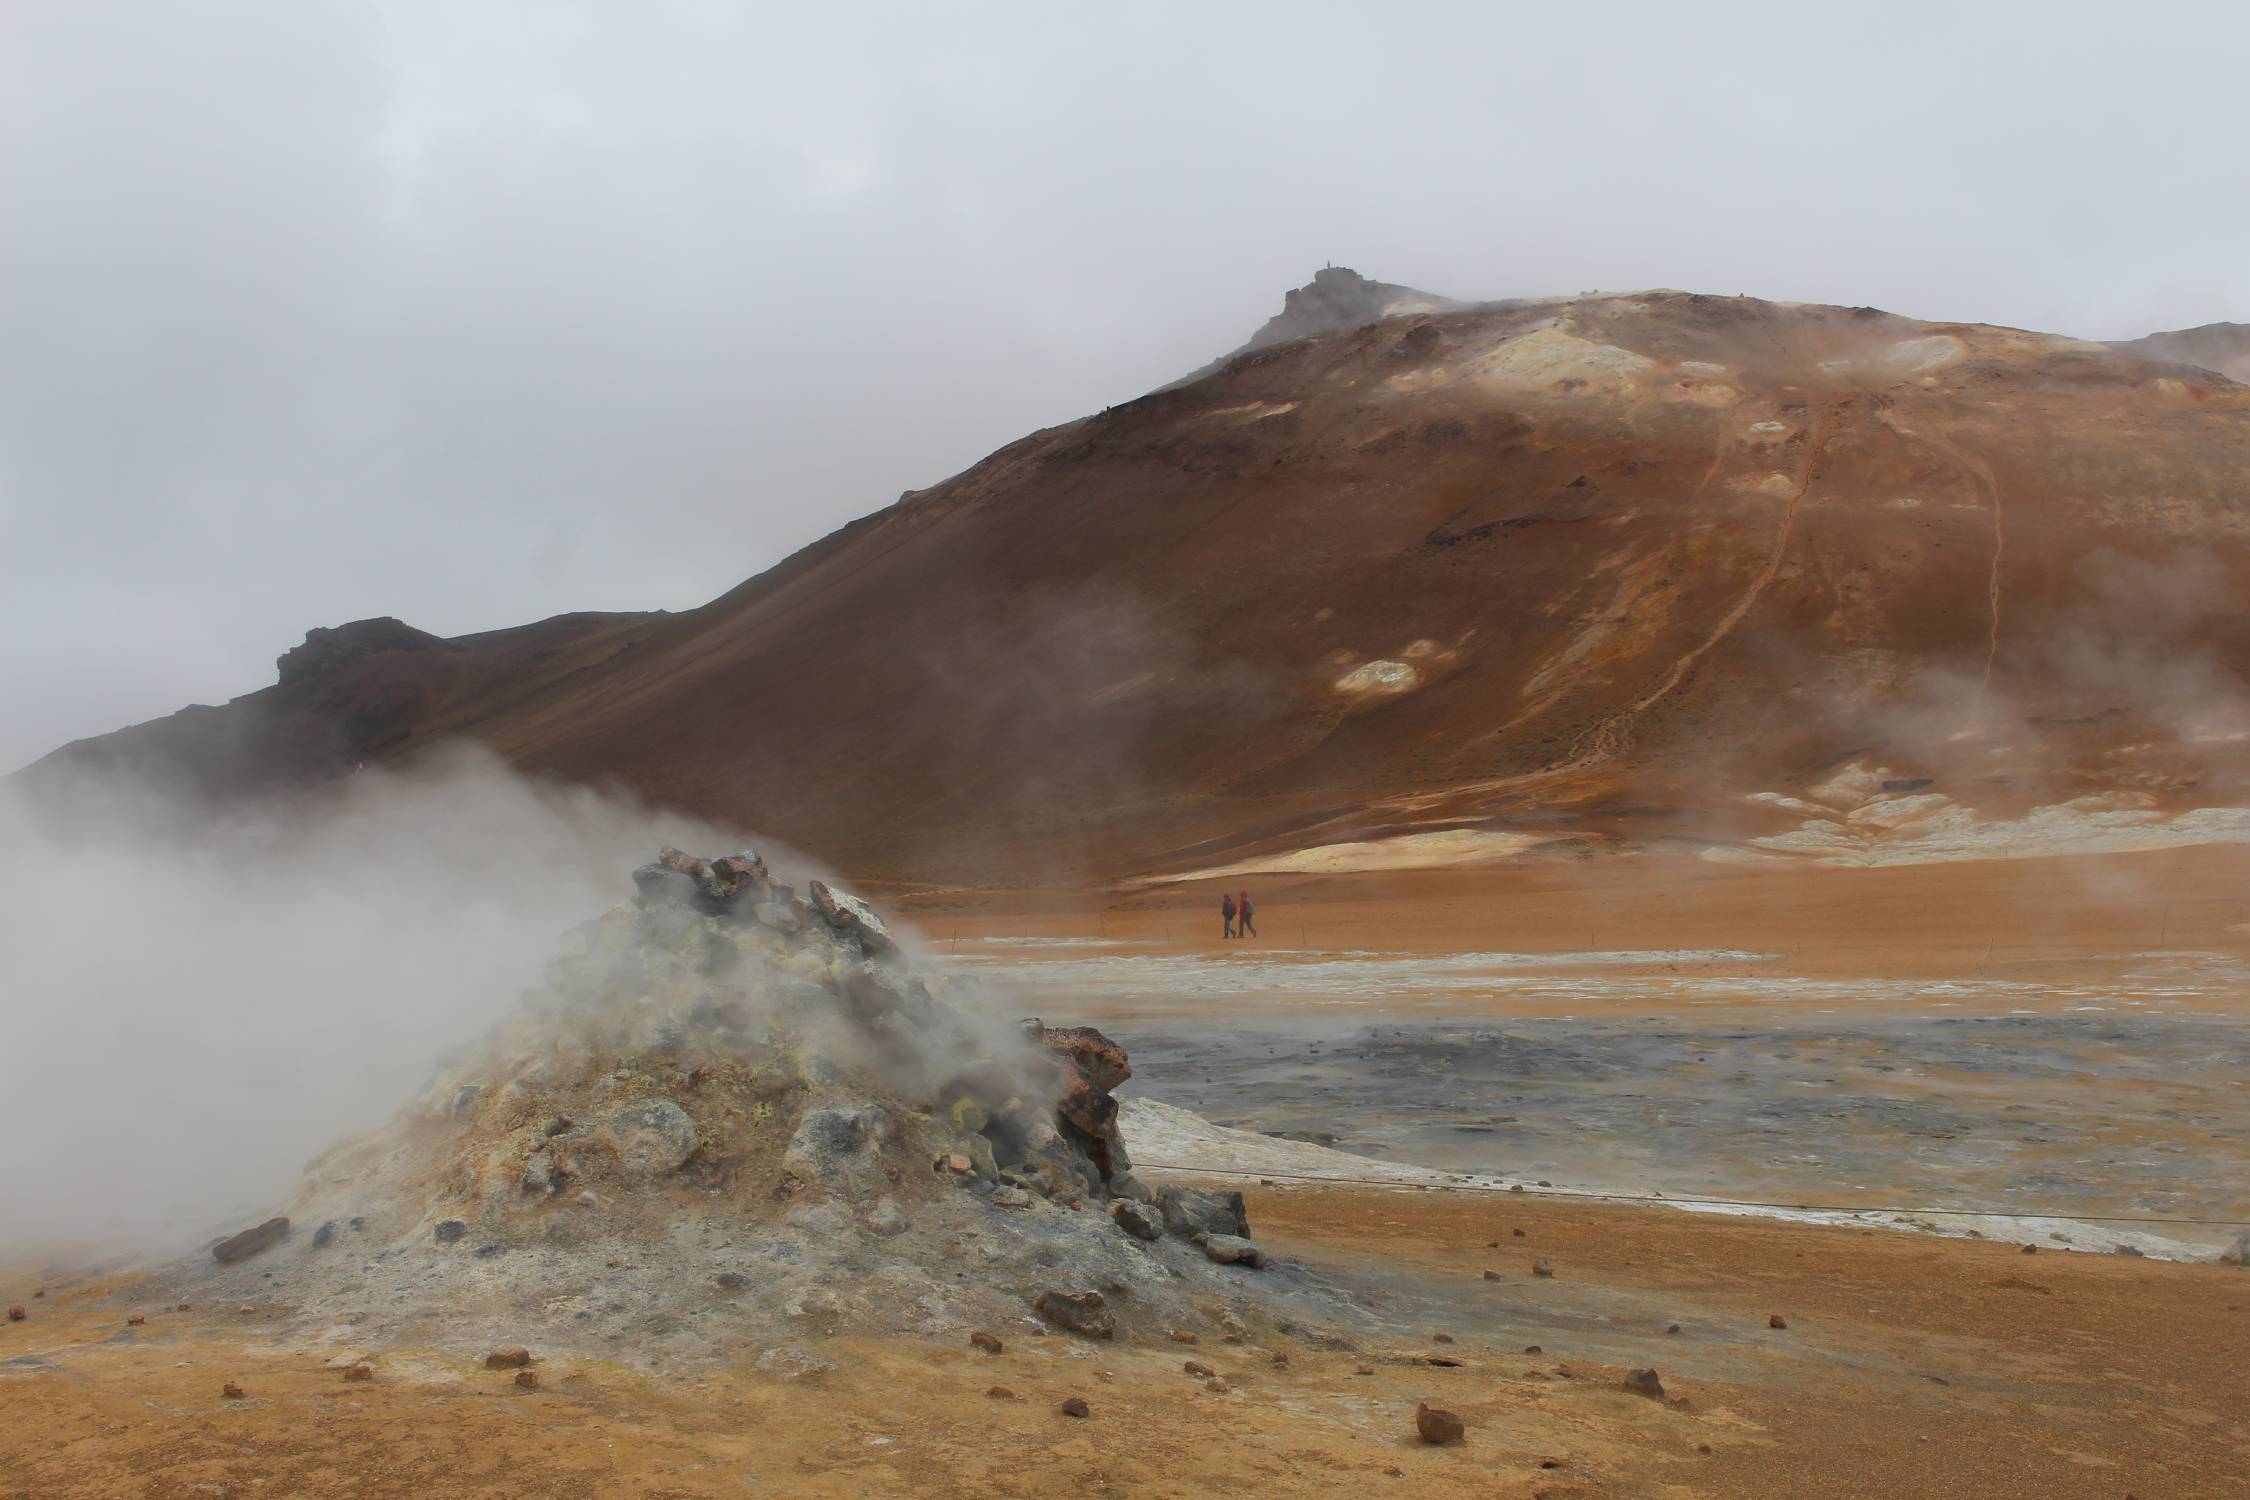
(2126, 1097)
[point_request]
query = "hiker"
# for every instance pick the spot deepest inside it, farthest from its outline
(1243, 920)
(1226, 913)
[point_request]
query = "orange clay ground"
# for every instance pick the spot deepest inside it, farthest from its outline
(1909, 1367)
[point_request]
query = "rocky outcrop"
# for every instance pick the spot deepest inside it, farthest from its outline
(326, 648)
(1337, 299)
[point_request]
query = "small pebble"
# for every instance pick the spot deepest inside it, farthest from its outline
(986, 1342)
(1075, 1407)
(1777, 1321)
(527, 1380)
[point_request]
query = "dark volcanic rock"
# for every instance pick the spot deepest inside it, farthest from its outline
(248, 1243)
(326, 648)
(1189, 1212)
(1138, 1220)
(1645, 1383)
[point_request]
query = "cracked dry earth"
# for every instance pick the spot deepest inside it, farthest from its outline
(1909, 1366)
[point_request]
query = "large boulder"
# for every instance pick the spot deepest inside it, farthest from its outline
(652, 1137)
(849, 916)
(1086, 1314)
(1189, 1212)
(1233, 1250)
(838, 1146)
(1100, 1059)
(237, 1247)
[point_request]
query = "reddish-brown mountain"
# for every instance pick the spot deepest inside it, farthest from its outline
(1617, 569)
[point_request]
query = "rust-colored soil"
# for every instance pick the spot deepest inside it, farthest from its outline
(1909, 1367)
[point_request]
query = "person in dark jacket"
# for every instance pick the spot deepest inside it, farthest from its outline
(1242, 917)
(1226, 914)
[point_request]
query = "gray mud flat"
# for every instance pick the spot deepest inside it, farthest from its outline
(2039, 1115)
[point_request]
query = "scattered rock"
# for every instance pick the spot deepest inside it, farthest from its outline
(1217, 1386)
(1233, 1250)
(527, 1380)
(449, 1230)
(2133, 1251)
(1777, 1321)
(1182, 1336)
(507, 1359)
(240, 1247)
(1279, 1358)
(1540, 1267)
(1517, 1233)
(1437, 1425)
(2238, 1253)
(1442, 1361)
(1198, 1368)
(733, 1281)
(1492, 1275)
(1672, 1328)
(986, 1342)
(323, 1235)
(1441, 1338)
(1001, 1393)
(360, 1371)
(1645, 1383)
(2031, 1249)
(16, 1314)
(231, 1391)
(135, 1321)
(1363, 1369)
(1533, 1349)
(183, 1307)
(1010, 1197)
(1076, 1407)
(1082, 1313)
(1137, 1219)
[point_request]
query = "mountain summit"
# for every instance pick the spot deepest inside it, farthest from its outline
(1338, 299)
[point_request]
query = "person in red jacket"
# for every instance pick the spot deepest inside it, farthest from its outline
(1242, 916)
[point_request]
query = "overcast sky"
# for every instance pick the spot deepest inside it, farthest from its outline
(476, 312)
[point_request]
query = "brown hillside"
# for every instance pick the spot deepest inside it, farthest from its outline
(1596, 568)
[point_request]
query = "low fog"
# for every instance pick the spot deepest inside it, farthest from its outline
(195, 1010)
(481, 312)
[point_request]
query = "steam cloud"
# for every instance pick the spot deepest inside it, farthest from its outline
(193, 1012)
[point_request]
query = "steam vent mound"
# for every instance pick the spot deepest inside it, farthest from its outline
(732, 1118)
